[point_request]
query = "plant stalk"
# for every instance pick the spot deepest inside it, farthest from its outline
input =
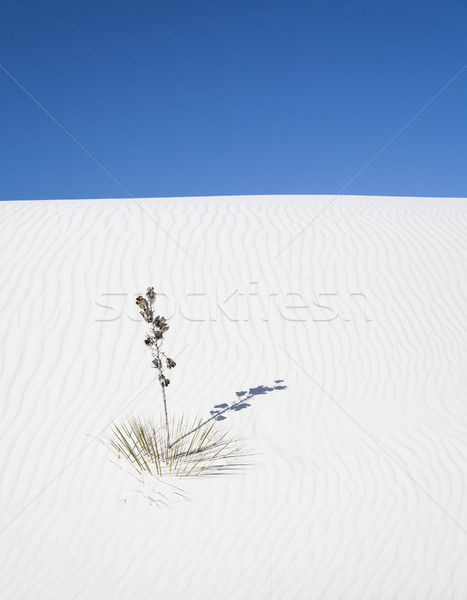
(166, 418)
(164, 398)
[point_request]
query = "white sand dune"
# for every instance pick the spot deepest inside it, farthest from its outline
(355, 487)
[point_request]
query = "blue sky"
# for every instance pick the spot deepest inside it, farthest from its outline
(222, 97)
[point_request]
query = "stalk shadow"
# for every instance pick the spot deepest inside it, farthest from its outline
(242, 402)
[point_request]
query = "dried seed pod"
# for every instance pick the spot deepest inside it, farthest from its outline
(140, 301)
(170, 363)
(151, 295)
(163, 381)
(146, 316)
(149, 341)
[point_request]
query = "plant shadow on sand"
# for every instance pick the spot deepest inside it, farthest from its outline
(219, 414)
(243, 398)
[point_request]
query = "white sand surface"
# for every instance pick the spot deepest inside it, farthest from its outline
(355, 483)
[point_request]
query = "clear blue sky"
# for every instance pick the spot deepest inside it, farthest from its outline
(214, 97)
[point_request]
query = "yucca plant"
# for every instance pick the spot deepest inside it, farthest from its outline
(154, 340)
(173, 447)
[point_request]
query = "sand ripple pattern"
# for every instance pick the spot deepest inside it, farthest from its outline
(357, 488)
